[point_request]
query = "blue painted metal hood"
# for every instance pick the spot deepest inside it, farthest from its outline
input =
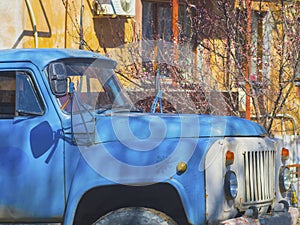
(133, 126)
(146, 148)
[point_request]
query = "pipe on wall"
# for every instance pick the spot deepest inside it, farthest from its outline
(66, 23)
(33, 22)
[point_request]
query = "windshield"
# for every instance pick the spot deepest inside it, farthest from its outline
(94, 87)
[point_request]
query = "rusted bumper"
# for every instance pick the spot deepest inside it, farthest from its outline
(277, 218)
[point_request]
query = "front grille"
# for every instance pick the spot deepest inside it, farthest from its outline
(259, 169)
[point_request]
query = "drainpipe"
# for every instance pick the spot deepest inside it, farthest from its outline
(175, 21)
(294, 123)
(248, 60)
(81, 40)
(66, 23)
(33, 22)
(175, 33)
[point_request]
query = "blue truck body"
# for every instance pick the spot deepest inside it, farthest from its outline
(73, 166)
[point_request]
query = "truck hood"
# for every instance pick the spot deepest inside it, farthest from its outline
(137, 126)
(146, 148)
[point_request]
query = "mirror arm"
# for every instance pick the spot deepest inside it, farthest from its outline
(71, 92)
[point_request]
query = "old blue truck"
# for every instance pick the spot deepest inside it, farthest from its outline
(75, 150)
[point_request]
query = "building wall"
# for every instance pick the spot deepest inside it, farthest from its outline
(57, 24)
(12, 24)
(58, 27)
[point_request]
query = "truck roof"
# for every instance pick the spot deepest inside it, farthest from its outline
(43, 56)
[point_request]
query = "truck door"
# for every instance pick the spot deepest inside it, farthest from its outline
(31, 150)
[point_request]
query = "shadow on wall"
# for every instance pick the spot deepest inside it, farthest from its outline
(110, 31)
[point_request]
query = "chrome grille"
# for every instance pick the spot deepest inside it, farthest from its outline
(259, 176)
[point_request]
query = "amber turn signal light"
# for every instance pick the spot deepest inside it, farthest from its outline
(285, 154)
(229, 158)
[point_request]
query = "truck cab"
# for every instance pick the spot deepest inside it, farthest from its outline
(74, 149)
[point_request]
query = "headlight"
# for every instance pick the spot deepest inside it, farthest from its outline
(230, 185)
(284, 179)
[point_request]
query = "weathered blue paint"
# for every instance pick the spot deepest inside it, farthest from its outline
(29, 180)
(44, 174)
(43, 56)
(208, 126)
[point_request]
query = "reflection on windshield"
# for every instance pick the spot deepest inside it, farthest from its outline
(95, 88)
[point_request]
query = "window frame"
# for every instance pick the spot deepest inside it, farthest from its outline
(34, 89)
(154, 29)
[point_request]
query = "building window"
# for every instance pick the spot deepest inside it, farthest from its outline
(157, 21)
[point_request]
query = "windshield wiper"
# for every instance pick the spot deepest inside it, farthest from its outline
(118, 109)
(27, 113)
(104, 108)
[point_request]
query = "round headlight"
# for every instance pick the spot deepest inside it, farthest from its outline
(230, 185)
(284, 179)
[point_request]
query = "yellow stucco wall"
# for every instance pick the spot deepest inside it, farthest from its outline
(58, 27)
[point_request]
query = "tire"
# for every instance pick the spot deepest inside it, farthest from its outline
(135, 216)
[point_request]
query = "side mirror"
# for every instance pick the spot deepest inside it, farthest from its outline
(58, 79)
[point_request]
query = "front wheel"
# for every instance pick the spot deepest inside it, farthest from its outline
(135, 216)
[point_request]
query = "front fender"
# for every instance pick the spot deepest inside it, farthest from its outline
(189, 185)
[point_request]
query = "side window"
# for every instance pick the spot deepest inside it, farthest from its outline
(7, 94)
(18, 95)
